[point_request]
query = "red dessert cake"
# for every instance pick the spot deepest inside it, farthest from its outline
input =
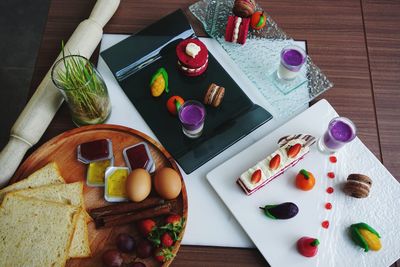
(237, 29)
(292, 149)
(192, 57)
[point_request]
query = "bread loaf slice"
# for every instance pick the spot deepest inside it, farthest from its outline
(34, 232)
(49, 174)
(71, 194)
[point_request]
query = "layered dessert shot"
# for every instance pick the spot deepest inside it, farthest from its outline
(292, 60)
(292, 149)
(192, 115)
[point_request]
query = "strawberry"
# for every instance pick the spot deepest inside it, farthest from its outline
(275, 162)
(256, 176)
(164, 254)
(166, 240)
(174, 219)
(146, 226)
(294, 150)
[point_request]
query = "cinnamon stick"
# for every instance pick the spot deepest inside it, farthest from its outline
(124, 208)
(121, 219)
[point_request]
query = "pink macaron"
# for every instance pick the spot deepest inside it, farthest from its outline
(192, 57)
(237, 29)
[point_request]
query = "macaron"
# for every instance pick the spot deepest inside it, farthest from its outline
(358, 185)
(214, 95)
(244, 8)
(237, 29)
(192, 57)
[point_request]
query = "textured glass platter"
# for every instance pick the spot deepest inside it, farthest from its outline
(258, 58)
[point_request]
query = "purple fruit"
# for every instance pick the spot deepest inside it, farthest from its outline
(144, 249)
(125, 243)
(112, 258)
(282, 211)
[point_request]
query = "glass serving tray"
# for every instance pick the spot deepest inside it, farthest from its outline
(259, 59)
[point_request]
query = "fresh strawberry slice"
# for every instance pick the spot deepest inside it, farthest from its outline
(174, 219)
(275, 162)
(294, 150)
(146, 226)
(256, 176)
(163, 254)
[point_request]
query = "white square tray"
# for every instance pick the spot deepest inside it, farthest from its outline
(276, 239)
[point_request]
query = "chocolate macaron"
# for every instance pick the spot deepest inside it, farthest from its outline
(214, 95)
(244, 8)
(237, 29)
(192, 57)
(358, 185)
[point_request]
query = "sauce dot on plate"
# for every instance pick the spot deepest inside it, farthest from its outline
(328, 206)
(325, 224)
(333, 159)
(330, 190)
(331, 175)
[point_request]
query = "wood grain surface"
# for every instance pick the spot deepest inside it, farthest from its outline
(355, 42)
(62, 149)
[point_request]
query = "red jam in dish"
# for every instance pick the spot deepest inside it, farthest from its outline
(95, 150)
(137, 157)
(330, 190)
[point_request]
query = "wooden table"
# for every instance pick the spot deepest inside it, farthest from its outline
(355, 42)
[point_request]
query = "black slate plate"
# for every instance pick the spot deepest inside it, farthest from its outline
(236, 117)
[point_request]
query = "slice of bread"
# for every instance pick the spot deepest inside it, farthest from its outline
(49, 174)
(35, 232)
(80, 246)
(71, 194)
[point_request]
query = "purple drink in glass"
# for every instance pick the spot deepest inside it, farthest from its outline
(340, 131)
(292, 59)
(192, 115)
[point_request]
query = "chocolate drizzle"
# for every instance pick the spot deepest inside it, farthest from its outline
(309, 139)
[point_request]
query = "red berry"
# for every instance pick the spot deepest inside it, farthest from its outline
(174, 219)
(294, 150)
(166, 240)
(146, 226)
(325, 224)
(163, 254)
(275, 162)
(330, 190)
(256, 176)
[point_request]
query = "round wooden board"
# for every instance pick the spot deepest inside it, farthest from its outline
(62, 149)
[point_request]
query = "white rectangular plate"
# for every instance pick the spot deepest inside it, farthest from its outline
(276, 239)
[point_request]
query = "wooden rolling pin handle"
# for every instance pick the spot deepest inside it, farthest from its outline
(43, 105)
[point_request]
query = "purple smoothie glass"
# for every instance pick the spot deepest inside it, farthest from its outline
(192, 114)
(293, 58)
(340, 131)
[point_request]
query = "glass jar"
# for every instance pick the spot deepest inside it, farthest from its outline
(83, 89)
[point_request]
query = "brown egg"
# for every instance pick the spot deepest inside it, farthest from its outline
(138, 185)
(167, 183)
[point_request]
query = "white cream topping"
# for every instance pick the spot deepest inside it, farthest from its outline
(193, 70)
(267, 173)
(192, 49)
(236, 30)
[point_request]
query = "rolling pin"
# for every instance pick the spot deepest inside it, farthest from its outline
(43, 105)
